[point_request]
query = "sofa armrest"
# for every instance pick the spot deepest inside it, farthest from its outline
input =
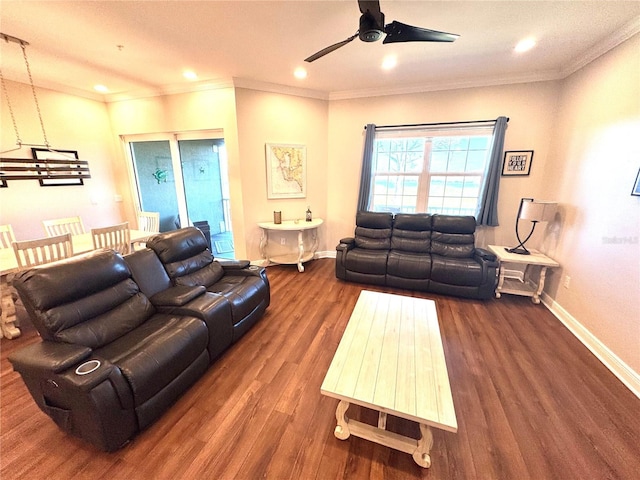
(234, 264)
(243, 268)
(349, 242)
(177, 296)
(483, 255)
(48, 357)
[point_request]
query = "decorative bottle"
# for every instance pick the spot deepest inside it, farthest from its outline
(308, 216)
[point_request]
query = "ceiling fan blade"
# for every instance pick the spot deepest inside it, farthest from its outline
(373, 7)
(399, 32)
(329, 49)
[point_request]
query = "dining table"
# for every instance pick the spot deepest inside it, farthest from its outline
(81, 243)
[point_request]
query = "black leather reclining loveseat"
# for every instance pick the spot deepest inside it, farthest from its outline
(124, 337)
(431, 253)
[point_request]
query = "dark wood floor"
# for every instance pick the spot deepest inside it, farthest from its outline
(531, 402)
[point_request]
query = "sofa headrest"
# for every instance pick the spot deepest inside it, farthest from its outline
(416, 222)
(147, 271)
(71, 279)
(374, 219)
(178, 245)
(453, 223)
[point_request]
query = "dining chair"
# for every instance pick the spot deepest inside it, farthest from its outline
(58, 226)
(115, 237)
(30, 253)
(149, 222)
(6, 236)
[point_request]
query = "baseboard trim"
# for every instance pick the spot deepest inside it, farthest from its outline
(615, 364)
(326, 254)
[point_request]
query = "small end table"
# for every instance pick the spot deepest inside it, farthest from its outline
(517, 282)
(300, 255)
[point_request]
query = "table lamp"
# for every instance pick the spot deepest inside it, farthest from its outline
(535, 211)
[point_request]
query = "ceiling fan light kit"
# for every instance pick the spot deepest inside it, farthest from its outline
(372, 27)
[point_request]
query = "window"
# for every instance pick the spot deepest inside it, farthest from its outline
(429, 170)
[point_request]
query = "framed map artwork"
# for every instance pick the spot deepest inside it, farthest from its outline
(286, 170)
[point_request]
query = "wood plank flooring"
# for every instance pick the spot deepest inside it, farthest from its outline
(531, 403)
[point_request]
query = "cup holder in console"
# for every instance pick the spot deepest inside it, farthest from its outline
(88, 367)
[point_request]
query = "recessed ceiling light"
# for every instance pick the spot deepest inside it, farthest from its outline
(300, 73)
(389, 62)
(189, 75)
(525, 45)
(100, 88)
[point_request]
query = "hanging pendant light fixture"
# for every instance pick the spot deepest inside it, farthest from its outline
(62, 166)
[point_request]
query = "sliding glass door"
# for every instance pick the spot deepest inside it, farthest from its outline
(184, 177)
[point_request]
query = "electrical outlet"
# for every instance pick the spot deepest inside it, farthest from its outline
(283, 241)
(567, 281)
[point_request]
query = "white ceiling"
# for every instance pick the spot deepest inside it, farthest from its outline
(74, 44)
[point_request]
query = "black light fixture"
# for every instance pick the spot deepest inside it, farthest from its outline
(535, 211)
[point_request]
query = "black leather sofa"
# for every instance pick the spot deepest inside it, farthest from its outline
(431, 253)
(124, 337)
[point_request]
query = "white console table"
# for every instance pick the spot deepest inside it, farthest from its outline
(519, 282)
(300, 255)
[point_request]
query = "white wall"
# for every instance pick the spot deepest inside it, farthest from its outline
(275, 118)
(204, 110)
(530, 108)
(594, 162)
(71, 123)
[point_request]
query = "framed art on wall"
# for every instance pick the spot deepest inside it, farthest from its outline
(517, 162)
(286, 170)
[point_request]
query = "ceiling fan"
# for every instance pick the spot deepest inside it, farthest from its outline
(372, 27)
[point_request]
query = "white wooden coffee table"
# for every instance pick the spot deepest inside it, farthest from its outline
(391, 359)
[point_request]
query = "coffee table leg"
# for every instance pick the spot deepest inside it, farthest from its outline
(425, 442)
(342, 429)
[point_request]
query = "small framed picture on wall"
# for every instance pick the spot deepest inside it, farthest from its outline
(517, 162)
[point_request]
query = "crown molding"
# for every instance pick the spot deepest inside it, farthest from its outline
(174, 89)
(277, 88)
(544, 76)
(624, 33)
(597, 50)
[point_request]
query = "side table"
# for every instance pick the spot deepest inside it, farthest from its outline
(517, 282)
(300, 255)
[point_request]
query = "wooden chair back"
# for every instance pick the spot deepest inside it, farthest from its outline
(115, 237)
(149, 222)
(30, 253)
(58, 226)
(6, 236)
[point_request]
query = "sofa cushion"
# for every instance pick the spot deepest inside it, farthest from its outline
(147, 271)
(178, 244)
(77, 325)
(88, 300)
(186, 257)
(409, 265)
(453, 223)
(453, 236)
(155, 353)
(191, 273)
(244, 292)
(456, 271)
(411, 233)
(51, 284)
(373, 230)
(361, 260)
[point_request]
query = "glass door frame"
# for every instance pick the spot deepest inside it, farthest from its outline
(173, 138)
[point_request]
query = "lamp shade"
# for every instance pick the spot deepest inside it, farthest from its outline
(538, 211)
